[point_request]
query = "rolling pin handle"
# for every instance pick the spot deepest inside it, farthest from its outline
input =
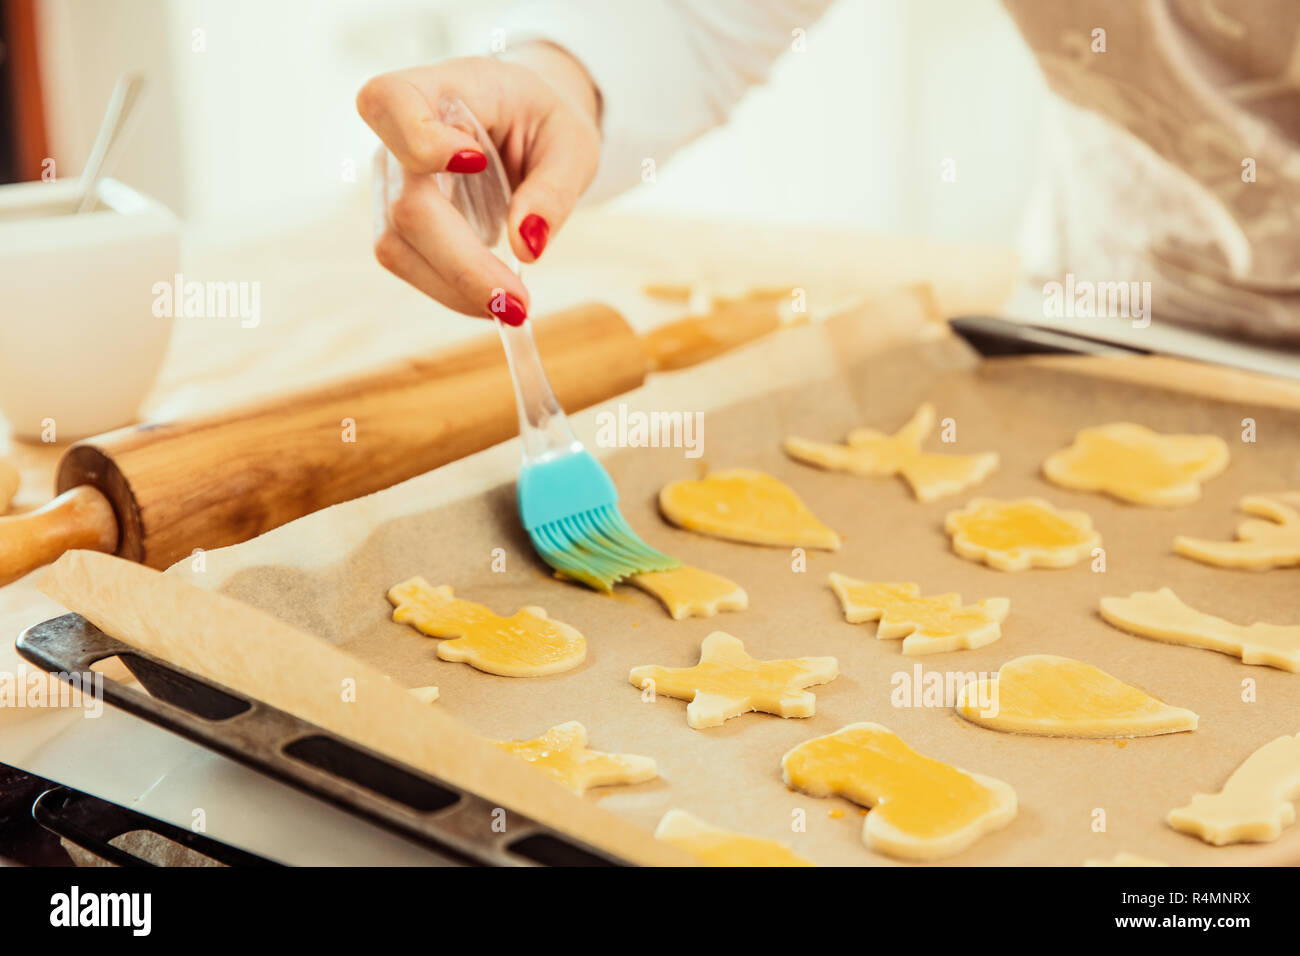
(81, 517)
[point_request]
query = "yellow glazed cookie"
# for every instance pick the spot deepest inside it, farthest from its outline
(928, 625)
(690, 592)
(1014, 535)
(727, 682)
(526, 644)
(745, 505)
(1125, 859)
(8, 484)
(1162, 616)
(1134, 464)
(561, 753)
(1256, 803)
(922, 809)
(874, 453)
(1260, 545)
(718, 847)
(1050, 696)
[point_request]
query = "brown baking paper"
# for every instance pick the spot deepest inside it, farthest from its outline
(328, 574)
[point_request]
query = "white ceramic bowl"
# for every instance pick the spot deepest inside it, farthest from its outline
(79, 343)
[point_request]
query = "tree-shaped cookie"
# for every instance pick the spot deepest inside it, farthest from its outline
(526, 644)
(928, 625)
(718, 847)
(691, 592)
(745, 505)
(1256, 803)
(727, 682)
(1260, 545)
(561, 753)
(1134, 464)
(875, 454)
(1050, 696)
(922, 809)
(1161, 615)
(1026, 533)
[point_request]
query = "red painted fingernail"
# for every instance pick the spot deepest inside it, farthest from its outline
(507, 308)
(534, 230)
(467, 161)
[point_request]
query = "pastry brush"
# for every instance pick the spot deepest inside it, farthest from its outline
(567, 501)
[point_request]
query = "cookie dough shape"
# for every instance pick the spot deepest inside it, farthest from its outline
(425, 695)
(928, 625)
(526, 644)
(1162, 616)
(1026, 533)
(561, 753)
(1049, 696)
(1260, 545)
(1135, 464)
(1256, 803)
(690, 592)
(922, 809)
(718, 847)
(876, 454)
(1125, 859)
(745, 505)
(727, 682)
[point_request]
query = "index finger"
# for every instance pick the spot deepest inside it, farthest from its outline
(395, 107)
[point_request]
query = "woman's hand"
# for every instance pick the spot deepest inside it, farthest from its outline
(541, 111)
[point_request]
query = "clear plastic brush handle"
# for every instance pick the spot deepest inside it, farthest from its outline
(484, 200)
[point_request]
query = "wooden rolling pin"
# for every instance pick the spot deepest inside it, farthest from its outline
(156, 491)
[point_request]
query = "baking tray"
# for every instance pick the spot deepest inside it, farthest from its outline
(456, 824)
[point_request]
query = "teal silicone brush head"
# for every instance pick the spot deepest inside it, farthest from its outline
(569, 507)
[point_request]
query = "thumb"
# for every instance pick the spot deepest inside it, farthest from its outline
(560, 167)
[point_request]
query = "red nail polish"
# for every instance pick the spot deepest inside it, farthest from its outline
(467, 161)
(534, 230)
(507, 308)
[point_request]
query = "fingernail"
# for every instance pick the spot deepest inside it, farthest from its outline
(467, 161)
(534, 230)
(507, 308)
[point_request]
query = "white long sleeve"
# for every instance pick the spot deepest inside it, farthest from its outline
(667, 70)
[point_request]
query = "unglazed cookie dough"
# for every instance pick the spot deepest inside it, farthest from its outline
(1027, 533)
(745, 505)
(874, 453)
(718, 847)
(1050, 696)
(928, 625)
(1134, 464)
(1260, 545)
(727, 682)
(1161, 615)
(425, 694)
(1125, 859)
(922, 809)
(526, 644)
(8, 484)
(561, 753)
(1256, 803)
(690, 592)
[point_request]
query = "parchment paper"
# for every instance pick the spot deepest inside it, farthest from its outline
(328, 573)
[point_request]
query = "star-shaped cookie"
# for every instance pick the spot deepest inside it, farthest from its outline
(876, 454)
(561, 753)
(928, 625)
(727, 682)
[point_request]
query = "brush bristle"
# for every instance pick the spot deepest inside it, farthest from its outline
(598, 548)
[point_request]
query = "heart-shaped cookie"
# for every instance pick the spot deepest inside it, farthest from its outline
(1051, 696)
(745, 505)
